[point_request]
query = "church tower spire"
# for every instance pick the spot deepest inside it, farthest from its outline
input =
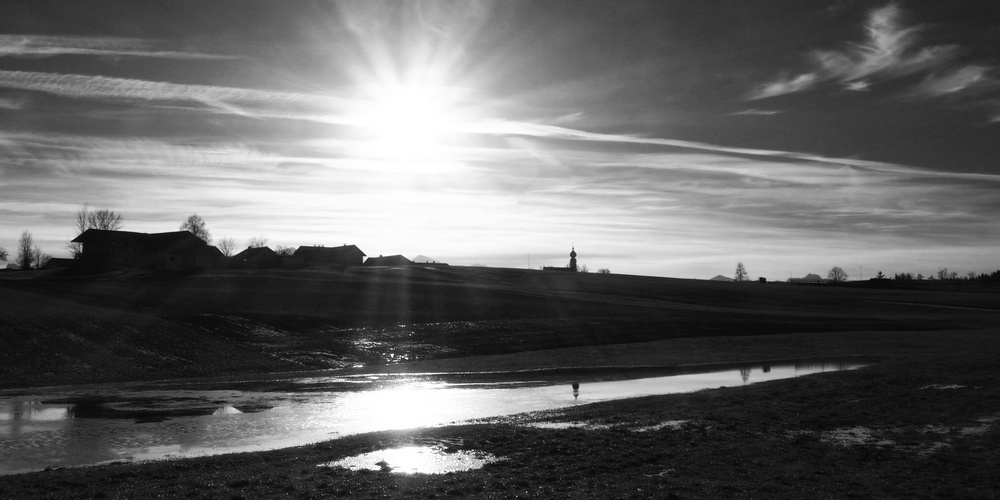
(572, 259)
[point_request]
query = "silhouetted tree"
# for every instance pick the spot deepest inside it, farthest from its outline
(3, 253)
(280, 250)
(257, 242)
(603, 270)
(25, 250)
(39, 258)
(837, 275)
(86, 218)
(880, 276)
(196, 226)
(942, 273)
(741, 273)
(583, 269)
(227, 246)
(920, 276)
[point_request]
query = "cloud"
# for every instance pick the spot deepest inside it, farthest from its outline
(891, 50)
(757, 112)
(11, 103)
(247, 102)
(35, 46)
(799, 83)
(963, 79)
(858, 86)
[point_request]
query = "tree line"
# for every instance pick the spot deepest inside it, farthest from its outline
(838, 275)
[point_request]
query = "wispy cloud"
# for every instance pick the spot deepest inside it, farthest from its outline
(12, 103)
(757, 112)
(959, 80)
(230, 100)
(35, 46)
(892, 50)
(786, 85)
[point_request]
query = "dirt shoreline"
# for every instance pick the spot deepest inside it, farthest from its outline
(774, 439)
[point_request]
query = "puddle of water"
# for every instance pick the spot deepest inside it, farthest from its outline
(568, 425)
(669, 424)
(416, 460)
(890, 436)
(89, 425)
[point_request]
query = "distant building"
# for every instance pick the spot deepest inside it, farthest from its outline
(390, 260)
(260, 257)
(174, 250)
(342, 256)
(59, 263)
(572, 264)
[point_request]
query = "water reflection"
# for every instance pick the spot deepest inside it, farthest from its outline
(92, 425)
(415, 460)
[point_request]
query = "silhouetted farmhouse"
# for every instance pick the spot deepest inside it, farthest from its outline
(390, 260)
(174, 250)
(342, 256)
(260, 257)
(572, 264)
(59, 263)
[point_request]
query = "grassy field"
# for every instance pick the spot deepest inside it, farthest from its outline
(924, 422)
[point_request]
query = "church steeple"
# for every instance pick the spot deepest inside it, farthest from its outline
(572, 259)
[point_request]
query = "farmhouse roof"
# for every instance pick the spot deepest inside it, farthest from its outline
(256, 253)
(98, 235)
(171, 242)
(327, 252)
(389, 260)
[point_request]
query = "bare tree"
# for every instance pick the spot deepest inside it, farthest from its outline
(39, 258)
(25, 250)
(603, 270)
(196, 226)
(942, 273)
(741, 273)
(227, 246)
(3, 253)
(257, 242)
(837, 275)
(280, 250)
(583, 269)
(86, 218)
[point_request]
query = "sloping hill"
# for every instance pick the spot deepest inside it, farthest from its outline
(131, 327)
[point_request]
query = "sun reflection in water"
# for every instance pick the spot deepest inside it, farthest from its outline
(415, 460)
(405, 406)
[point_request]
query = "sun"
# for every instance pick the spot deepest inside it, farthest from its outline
(401, 121)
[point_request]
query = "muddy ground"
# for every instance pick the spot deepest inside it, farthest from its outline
(923, 423)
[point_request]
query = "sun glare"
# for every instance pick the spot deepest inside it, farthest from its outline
(411, 122)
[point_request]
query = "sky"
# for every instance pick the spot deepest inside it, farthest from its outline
(664, 138)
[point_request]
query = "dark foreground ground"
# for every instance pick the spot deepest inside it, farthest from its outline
(923, 423)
